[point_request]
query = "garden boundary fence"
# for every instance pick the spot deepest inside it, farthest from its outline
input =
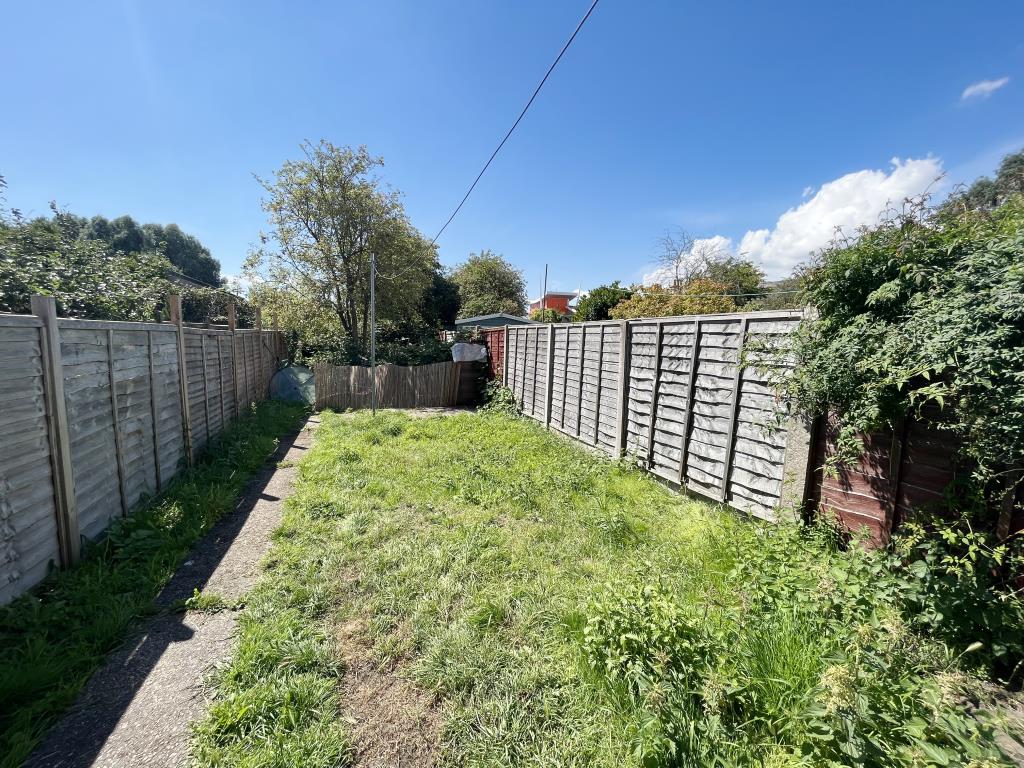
(675, 394)
(98, 415)
(435, 385)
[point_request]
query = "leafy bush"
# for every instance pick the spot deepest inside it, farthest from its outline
(922, 315)
(697, 297)
(813, 654)
(599, 301)
(86, 277)
(499, 399)
(548, 316)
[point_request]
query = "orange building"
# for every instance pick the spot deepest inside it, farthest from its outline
(558, 300)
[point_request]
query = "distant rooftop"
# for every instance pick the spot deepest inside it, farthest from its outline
(498, 318)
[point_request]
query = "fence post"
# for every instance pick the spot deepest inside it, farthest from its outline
(116, 423)
(597, 394)
(623, 387)
(261, 365)
(174, 302)
(579, 388)
(730, 448)
(549, 367)
(68, 539)
(232, 324)
(154, 411)
(659, 335)
(691, 383)
(504, 358)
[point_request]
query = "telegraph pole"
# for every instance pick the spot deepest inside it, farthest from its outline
(544, 295)
(373, 333)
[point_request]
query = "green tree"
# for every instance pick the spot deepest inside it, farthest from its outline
(548, 316)
(488, 284)
(88, 278)
(985, 193)
(599, 302)
(328, 213)
(740, 276)
(184, 252)
(698, 297)
(441, 302)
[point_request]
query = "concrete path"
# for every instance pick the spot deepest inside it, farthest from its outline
(135, 711)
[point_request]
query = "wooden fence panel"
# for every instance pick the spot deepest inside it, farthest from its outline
(94, 423)
(682, 403)
(89, 402)
(761, 436)
(28, 512)
(435, 385)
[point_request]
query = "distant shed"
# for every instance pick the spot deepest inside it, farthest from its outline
(493, 321)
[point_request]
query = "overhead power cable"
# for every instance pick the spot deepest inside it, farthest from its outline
(522, 114)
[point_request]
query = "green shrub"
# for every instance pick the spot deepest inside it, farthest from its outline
(813, 653)
(500, 399)
(921, 316)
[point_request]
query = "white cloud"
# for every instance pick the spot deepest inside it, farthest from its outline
(847, 203)
(983, 88)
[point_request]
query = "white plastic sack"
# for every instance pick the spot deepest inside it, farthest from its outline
(468, 353)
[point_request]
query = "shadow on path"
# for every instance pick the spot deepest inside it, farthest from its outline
(136, 709)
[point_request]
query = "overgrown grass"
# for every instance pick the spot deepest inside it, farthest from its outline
(570, 611)
(55, 637)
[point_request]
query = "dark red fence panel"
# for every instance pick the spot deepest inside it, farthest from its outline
(898, 474)
(494, 338)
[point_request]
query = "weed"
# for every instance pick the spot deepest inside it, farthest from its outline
(210, 602)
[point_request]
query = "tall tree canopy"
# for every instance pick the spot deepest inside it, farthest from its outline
(184, 251)
(328, 213)
(488, 284)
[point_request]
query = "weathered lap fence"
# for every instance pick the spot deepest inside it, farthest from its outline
(672, 393)
(95, 416)
(435, 385)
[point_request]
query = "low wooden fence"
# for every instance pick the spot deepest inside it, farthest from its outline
(436, 385)
(672, 393)
(97, 415)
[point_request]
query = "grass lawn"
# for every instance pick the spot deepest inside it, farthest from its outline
(53, 638)
(566, 610)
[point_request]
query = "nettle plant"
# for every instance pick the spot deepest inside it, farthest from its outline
(922, 316)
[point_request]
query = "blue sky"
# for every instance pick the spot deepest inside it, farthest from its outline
(718, 117)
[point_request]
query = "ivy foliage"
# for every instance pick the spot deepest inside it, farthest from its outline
(922, 316)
